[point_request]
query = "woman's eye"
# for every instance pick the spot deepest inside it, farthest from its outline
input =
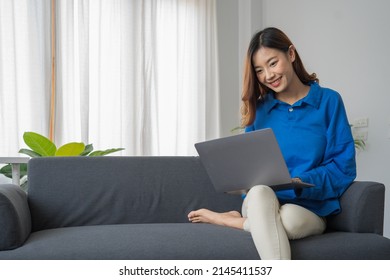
(273, 63)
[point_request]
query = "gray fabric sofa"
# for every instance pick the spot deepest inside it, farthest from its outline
(136, 208)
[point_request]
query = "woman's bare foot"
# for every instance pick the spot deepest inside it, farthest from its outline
(211, 217)
(231, 218)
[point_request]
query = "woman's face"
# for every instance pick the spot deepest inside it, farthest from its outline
(274, 68)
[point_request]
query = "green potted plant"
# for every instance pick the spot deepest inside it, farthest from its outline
(40, 146)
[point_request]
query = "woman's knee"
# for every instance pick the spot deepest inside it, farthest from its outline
(261, 191)
(260, 200)
(300, 222)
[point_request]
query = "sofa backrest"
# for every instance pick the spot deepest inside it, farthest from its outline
(78, 191)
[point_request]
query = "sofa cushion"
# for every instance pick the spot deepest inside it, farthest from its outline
(138, 241)
(341, 246)
(15, 220)
(185, 241)
(77, 191)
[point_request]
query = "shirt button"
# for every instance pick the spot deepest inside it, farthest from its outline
(291, 109)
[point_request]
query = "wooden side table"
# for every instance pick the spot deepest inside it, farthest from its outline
(15, 163)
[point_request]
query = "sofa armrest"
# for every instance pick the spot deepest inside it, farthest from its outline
(362, 209)
(15, 219)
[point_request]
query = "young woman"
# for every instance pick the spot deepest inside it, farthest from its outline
(311, 126)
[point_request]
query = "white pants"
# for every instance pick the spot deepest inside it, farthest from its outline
(272, 225)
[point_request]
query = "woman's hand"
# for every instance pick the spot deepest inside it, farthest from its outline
(296, 180)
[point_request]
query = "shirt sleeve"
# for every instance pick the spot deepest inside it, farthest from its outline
(338, 167)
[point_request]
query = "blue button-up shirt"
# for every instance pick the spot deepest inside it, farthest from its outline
(315, 138)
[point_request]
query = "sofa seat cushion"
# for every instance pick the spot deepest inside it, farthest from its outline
(185, 241)
(342, 246)
(137, 241)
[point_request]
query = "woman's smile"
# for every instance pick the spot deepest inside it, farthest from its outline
(276, 82)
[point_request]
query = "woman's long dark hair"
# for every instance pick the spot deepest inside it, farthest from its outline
(253, 90)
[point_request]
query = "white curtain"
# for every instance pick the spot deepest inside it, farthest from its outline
(24, 71)
(141, 75)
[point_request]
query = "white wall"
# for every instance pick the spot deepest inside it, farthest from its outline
(346, 42)
(237, 20)
(228, 26)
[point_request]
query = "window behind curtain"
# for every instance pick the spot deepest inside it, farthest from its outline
(141, 75)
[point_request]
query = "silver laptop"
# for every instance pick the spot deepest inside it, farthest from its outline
(245, 160)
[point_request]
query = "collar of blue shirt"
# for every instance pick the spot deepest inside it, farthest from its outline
(313, 98)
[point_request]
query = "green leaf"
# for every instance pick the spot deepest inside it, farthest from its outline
(70, 149)
(237, 129)
(105, 152)
(360, 144)
(29, 153)
(39, 144)
(87, 150)
(23, 169)
(7, 170)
